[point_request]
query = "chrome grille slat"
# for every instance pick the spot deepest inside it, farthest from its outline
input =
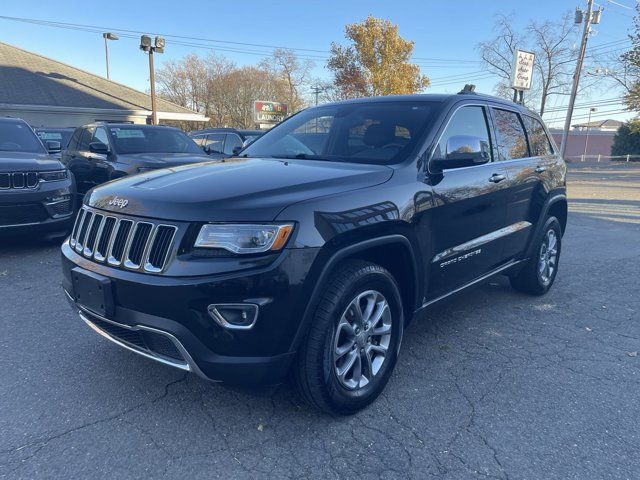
(19, 180)
(124, 242)
(83, 230)
(76, 227)
(104, 238)
(92, 235)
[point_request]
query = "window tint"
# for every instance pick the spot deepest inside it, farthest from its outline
(538, 140)
(214, 142)
(466, 122)
(100, 135)
(75, 139)
(18, 137)
(364, 132)
(512, 143)
(232, 142)
(199, 139)
(148, 139)
(85, 138)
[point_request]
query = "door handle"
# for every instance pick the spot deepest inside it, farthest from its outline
(540, 169)
(496, 177)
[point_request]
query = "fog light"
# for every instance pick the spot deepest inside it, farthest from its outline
(234, 316)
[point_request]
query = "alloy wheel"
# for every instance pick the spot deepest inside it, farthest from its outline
(362, 340)
(548, 257)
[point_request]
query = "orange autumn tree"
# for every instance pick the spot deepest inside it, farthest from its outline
(377, 62)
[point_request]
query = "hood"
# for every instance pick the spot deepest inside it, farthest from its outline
(162, 160)
(28, 162)
(250, 189)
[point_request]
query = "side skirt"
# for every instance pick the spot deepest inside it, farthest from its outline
(507, 266)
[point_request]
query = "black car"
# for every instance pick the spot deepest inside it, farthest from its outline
(36, 190)
(61, 135)
(101, 152)
(315, 249)
(224, 142)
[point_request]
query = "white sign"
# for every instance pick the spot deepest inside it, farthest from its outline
(522, 70)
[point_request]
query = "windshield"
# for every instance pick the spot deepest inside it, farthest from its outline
(18, 137)
(62, 136)
(152, 140)
(380, 133)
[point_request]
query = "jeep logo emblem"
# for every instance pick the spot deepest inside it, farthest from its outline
(118, 202)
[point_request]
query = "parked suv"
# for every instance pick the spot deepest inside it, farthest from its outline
(224, 142)
(36, 190)
(314, 250)
(101, 152)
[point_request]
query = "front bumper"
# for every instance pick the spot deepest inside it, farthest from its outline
(165, 318)
(47, 209)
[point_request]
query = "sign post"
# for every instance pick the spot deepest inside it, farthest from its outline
(521, 73)
(267, 114)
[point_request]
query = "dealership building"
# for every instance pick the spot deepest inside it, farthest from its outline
(49, 93)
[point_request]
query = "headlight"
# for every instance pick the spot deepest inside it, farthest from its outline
(243, 238)
(53, 176)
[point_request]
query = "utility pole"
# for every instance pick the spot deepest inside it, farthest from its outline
(316, 91)
(158, 46)
(108, 36)
(586, 140)
(589, 18)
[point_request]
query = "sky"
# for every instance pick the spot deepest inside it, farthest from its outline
(446, 34)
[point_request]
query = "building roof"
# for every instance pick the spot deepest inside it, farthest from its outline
(27, 78)
(608, 123)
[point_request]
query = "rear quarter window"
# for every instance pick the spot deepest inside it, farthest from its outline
(539, 142)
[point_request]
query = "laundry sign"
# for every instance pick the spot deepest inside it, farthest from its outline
(522, 70)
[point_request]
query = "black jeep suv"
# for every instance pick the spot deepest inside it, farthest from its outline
(101, 152)
(313, 251)
(36, 190)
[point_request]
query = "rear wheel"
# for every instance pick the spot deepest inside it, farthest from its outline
(540, 272)
(352, 346)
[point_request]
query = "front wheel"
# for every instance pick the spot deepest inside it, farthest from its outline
(540, 272)
(352, 346)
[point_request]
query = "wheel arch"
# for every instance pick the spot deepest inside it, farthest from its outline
(379, 250)
(555, 205)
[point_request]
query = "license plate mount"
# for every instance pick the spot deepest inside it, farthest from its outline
(93, 292)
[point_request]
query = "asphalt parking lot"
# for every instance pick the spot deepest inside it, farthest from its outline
(495, 384)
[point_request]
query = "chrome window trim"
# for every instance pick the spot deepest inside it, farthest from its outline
(482, 240)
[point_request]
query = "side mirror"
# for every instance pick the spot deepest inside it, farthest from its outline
(98, 147)
(463, 151)
(53, 146)
(236, 150)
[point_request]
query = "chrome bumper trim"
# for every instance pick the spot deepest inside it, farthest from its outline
(188, 365)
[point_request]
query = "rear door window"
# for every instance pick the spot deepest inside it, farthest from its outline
(232, 142)
(214, 142)
(512, 142)
(539, 142)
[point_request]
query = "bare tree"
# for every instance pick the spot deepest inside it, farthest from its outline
(294, 72)
(553, 45)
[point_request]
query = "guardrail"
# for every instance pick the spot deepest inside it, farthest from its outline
(603, 158)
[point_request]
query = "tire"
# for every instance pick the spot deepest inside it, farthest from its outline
(540, 272)
(335, 327)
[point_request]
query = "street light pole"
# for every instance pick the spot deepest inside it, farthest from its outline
(590, 17)
(152, 80)
(108, 36)
(586, 141)
(158, 46)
